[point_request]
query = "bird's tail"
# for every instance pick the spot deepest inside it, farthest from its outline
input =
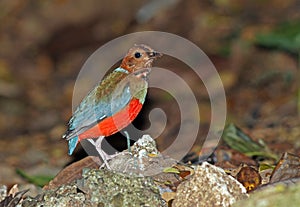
(72, 144)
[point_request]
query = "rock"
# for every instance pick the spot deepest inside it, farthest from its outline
(3, 192)
(275, 195)
(144, 159)
(73, 172)
(131, 182)
(102, 188)
(210, 186)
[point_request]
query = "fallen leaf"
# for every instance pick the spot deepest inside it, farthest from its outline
(288, 167)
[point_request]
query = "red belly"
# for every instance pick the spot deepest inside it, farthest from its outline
(115, 123)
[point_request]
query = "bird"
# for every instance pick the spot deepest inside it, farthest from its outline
(114, 102)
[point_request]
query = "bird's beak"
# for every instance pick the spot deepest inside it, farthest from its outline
(154, 54)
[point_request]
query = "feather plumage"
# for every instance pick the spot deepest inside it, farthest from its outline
(115, 101)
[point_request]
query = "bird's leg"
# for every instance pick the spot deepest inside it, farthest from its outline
(129, 148)
(128, 141)
(98, 146)
(102, 154)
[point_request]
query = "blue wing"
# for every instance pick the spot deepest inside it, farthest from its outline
(109, 97)
(93, 108)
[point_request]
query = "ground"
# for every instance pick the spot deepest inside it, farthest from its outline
(45, 43)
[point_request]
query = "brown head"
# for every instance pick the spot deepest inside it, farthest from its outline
(139, 57)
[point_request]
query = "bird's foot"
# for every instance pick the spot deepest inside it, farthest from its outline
(104, 156)
(128, 141)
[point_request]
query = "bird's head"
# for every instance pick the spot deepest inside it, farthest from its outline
(139, 57)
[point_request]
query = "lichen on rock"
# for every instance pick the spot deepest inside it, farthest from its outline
(101, 188)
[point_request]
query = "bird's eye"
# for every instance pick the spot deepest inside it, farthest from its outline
(137, 55)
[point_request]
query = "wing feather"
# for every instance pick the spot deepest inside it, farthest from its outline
(103, 101)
